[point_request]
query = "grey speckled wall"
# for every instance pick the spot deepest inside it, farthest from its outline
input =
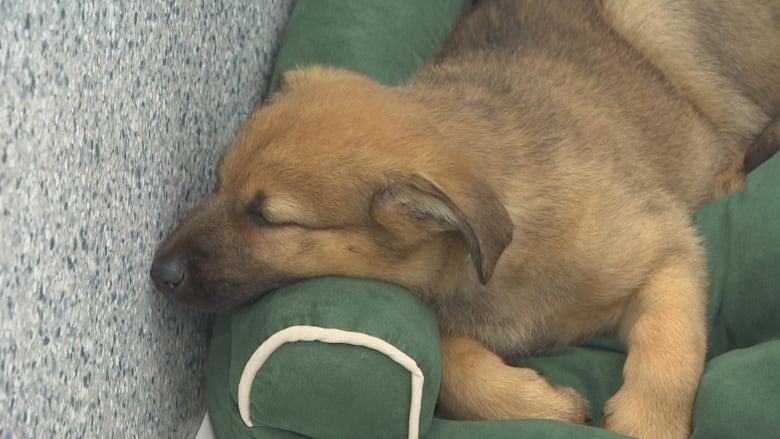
(112, 115)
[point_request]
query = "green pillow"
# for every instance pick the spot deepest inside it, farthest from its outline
(386, 40)
(739, 394)
(323, 389)
(742, 234)
(327, 358)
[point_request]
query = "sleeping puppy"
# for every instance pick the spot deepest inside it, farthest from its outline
(534, 182)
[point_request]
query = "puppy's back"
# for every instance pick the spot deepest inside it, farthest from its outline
(724, 55)
(560, 84)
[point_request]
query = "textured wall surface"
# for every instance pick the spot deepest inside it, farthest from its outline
(112, 116)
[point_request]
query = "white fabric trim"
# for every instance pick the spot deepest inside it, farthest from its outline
(330, 335)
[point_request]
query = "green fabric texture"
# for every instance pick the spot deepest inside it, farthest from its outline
(316, 390)
(527, 429)
(221, 403)
(739, 394)
(294, 391)
(742, 236)
(386, 40)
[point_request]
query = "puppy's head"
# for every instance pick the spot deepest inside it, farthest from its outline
(337, 175)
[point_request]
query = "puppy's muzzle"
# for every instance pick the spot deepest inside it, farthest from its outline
(207, 263)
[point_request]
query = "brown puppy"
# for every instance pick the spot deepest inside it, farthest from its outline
(534, 182)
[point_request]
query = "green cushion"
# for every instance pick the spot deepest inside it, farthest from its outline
(739, 394)
(327, 390)
(386, 40)
(327, 358)
(742, 235)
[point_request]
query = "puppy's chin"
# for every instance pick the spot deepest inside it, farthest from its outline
(221, 296)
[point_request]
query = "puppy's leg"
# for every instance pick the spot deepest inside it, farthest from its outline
(664, 327)
(477, 385)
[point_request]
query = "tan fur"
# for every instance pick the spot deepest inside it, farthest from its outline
(535, 183)
(481, 386)
(700, 45)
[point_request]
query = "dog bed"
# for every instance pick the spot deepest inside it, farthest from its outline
(348, 358)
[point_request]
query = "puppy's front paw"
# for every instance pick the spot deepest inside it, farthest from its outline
(541, 399)
(572, 407)
(645, 419)
(517, 393)
(477, 385)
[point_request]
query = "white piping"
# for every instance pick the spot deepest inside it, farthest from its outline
(330, 335)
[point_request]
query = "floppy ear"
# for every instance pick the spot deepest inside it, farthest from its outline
(470, 207)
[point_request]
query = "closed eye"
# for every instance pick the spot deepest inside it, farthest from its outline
(255, 211)
(256, 214)
(258, 218)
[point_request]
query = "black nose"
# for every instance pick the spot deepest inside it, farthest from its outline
(168, 271)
